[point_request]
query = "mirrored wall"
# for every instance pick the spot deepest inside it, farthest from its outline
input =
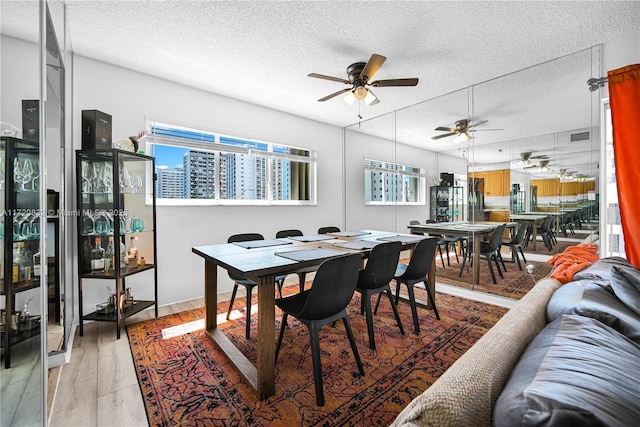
(529, 146)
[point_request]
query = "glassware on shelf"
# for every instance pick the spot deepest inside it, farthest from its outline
(18, 218)
(107, 177)
(25, 314)
(97, 256)
(136, 183)
(92, 216)
(137, 225)
(27, 173)
(17, 171)
(125, 180)
(35, 178)
(109, 255)
(2, 175)
(86, 179)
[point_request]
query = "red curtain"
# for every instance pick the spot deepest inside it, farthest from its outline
(624, 100)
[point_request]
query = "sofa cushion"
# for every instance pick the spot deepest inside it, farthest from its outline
(601, 269)
(593, 298)
(626, 285)
(577, 371)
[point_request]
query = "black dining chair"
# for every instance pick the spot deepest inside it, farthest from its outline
(248, 284)
(302, 274)
(489, 251)
(416, 272)
(329, 229)
(374, 279)
(516, 243)
(325, 302)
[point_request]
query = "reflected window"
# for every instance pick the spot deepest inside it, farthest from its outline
(390, 183)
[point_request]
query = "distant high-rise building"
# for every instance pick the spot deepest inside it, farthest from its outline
(281, 179)
(170, 183)
(199, 172)
(245, 177)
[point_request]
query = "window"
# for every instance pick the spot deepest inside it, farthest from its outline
(390, 183)
(199, 167)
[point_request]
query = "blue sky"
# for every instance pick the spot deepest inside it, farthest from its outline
(168, 156)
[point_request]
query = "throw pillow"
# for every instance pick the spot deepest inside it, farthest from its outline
(626, 286)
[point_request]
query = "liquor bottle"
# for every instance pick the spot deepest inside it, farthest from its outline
(109, 255)
(133, 252)
(16, 261)
(24, 265)
(97, 256)
(36, 266)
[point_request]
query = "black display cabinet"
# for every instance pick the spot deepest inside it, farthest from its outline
(116, 230)
(446, 203)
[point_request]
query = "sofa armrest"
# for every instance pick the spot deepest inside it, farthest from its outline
(466, 393)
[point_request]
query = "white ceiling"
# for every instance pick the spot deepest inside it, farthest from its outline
(262, 51)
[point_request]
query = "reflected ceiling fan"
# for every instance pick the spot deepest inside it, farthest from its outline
(526, 157)
(542, 166)
(462, 129)
(359, 75)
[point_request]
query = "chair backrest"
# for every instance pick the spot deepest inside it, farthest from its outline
(381, 265)
(496, 239)
(422, 259)
(288, 233)
(546, 225)
(519, 237)
(243, 237)
(330, 229)
(416, 222)
(332, 288)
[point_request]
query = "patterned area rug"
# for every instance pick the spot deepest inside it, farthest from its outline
(516, 283)
(186, 381)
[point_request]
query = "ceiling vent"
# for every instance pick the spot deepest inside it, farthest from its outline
(579, 137)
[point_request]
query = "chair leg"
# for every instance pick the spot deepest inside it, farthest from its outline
(317, 365)
(522, 253)
(283, 326)
(365, 303)
(432, 301)
(233, 298)
(394, 307)
(352, 341)
(279, 284)
(514, 250)
(375, 310)
(441, 257)
(504, 267)
(464, 261)
(414, 310)
(493, 276)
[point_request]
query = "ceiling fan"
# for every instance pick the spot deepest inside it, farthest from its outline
(543, 166)
(462, 128)
(359, 75)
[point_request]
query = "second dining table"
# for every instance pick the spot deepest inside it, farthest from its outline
(263, 260)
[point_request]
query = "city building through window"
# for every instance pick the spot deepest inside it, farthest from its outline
(390, 183)
(199, 167)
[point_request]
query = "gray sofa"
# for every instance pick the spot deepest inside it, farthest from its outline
(563, 355)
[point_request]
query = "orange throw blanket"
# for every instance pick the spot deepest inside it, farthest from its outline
(572, 260)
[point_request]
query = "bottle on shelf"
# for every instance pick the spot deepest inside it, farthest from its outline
(97, 256)
(36, 266)
(133, 253)
(109, 255)
(24, 264)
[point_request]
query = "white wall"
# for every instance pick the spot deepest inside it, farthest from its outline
(131, 98)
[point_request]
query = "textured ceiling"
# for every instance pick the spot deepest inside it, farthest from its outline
(261, 52)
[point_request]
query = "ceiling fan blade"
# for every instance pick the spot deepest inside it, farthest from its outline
(335, 79)
(395, 82)
(445, 129)
(482, 130)
(372, 67)
(334, 94)
(444, 135)
(479, 123)
(541, 156)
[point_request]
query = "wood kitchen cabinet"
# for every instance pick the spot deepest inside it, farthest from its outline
(498, 182)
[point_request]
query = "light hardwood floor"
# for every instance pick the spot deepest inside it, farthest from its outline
(99, 387)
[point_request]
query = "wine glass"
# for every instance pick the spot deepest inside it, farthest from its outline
(17, 171)
(27, 173)
(35, 179)
(18, 218)
(137, 183)
(92, 215)
(107, 177)
(137, 224)
(86, 179)
(125, 179)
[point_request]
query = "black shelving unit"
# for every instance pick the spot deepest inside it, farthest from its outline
(21, 222)
(446, 203)
(116, 201)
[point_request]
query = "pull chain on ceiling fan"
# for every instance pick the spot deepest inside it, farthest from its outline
(359, 75)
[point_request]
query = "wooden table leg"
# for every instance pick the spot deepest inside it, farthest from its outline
(477, 238)
(210, 295)
(266, 360)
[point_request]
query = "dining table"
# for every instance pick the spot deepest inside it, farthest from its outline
(263, 260)
(475, 232)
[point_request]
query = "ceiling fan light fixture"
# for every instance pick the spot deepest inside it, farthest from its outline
(462, 137)
(371, 99)
(360, 92)
(350, 98)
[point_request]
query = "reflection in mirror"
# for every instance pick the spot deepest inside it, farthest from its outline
(533, 129)
(22, 372)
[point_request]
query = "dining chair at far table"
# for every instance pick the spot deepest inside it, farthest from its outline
(325, 302)
(248, 284)
(516, 243)
(302, 274)
(413, 273)
(328, 229)
(374, 279)
(489, 251)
